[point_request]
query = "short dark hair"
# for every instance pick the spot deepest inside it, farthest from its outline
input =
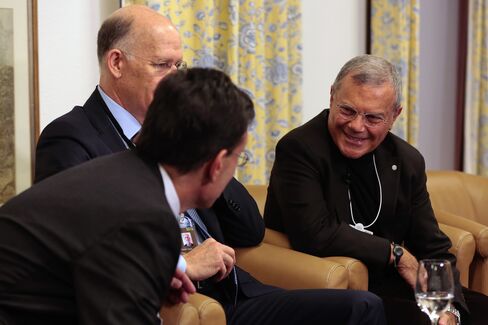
(112, 31)
(194, 114)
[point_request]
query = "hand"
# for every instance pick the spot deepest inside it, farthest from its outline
(407, 267)
(181, 288)
(208, 259)
(447, 319)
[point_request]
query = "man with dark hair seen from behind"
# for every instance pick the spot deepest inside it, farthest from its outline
(98, 243)
(342, 184)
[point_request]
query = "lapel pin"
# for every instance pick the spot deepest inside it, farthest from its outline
(394, 167)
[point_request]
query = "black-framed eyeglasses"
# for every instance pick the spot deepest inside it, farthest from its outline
(371, 120)
(160, 66)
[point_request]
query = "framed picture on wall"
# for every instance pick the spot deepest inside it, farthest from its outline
(19, 120)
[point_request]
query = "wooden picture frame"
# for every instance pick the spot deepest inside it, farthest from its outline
(19, 95)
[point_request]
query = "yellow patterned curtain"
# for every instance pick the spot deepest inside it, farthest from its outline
(257, 43)
(394, 36)
(476, 103)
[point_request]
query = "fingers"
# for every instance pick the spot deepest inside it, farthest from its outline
(186, 284)
(180, 288)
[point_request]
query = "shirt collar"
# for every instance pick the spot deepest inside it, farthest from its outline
(170, 192)
(128, 123)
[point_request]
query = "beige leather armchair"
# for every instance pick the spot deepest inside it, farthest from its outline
(461, 200)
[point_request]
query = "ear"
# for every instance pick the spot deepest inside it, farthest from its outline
(115, 62)
(216, 165)
(331, 95)
(397, 112)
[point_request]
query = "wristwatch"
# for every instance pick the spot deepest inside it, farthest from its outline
(451, 309)
(397, 254)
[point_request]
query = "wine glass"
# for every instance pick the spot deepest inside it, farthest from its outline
(434, 288)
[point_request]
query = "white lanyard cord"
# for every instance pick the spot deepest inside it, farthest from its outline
(381, 198)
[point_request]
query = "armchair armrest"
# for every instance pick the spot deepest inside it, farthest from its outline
(200, 309)
(479, 231)
(356, 270)
(290, 269)
(463, 246)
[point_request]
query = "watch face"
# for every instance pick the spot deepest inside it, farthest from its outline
(398, 251)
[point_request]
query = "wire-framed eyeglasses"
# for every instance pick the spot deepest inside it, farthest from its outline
(242, 158)
(372, 120)
(162, 66)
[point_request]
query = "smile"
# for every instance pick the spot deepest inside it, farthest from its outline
(355, 140)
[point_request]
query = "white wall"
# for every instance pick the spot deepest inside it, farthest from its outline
(68, 66)
(437, 78)
(333, 32)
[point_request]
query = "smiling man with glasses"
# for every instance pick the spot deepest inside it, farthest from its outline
(342, 184)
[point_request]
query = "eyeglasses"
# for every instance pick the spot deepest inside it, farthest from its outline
(370, 119)
(242, 158)
(162, 67)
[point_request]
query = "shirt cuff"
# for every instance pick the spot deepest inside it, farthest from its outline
(181, 264)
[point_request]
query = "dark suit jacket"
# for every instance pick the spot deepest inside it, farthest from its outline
(78, 136)
(234, 220)
(307, 199)
(95, 244)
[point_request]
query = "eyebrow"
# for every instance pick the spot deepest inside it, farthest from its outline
(368, 113)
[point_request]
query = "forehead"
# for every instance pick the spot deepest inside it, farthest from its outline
(160, 42)
(366, 95)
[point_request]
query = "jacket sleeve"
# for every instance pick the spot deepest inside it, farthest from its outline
(59, 148)
(239, 218)
(124, 278)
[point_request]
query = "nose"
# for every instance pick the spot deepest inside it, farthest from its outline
(357, 124)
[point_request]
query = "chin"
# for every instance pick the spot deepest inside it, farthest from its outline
(353, 153)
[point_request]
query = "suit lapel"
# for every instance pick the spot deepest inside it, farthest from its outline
(95, 109)
(210, 220)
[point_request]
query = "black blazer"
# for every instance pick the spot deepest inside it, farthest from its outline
(82, 134)
(307, 199)
(95, 244)
(234, 220)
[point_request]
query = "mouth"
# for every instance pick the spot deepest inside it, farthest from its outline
(355, 141)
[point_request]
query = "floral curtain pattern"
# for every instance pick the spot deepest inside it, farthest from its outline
(395, 36)
(258, 44)
(476, 101)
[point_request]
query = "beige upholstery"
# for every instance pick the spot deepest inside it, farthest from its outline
(199, 310)
(463, 246)
(289, 269)
(461, 200)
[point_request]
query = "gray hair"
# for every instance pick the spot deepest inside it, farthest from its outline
(370, 69)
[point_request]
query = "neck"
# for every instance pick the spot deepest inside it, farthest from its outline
(186, 186)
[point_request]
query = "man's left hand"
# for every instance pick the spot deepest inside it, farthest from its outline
(447, 319)
(407, 267)
(181, 288)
